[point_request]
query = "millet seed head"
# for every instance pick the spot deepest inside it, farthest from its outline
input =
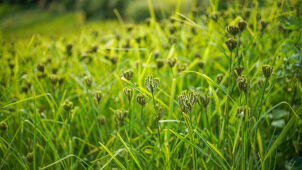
(98, 96)
(204, 100)
(242, 83)
(238, 70)
(242, 25)
(233, 29)
(159, 63)
(121, 114)
(3, 126)
(160, 110)
(140, 98)
(67, 105)
(231, 44)
(30, 157)
(54, 79)
(181, 67)
(267, 70)
(101, 119)
(41, 67)
(128, 93)
(151, 83)
(186, 100)
(171, 61)
(88, 80)
(127, 74)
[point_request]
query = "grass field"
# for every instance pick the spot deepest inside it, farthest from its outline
(202, 90)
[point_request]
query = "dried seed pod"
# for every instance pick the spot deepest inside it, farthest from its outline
(186, 100)
(41, 67)
(171, 61)
(3, 126)
(181, 67)
(233, 29)
(267, 70)
(127, 74)
(88, 81)
(151, 83)
(219, 78)
(242, 25)
(238, 70)
(98, 96)
(67, 105)
(140, 98)
(101, 119)
(128, 93)
(242, 83)
(231, 44)
(159, 63)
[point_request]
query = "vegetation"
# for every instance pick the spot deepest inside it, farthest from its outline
(207, 89)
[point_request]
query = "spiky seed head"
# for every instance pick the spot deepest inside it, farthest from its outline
(219, 78)
(121, 114)
(54, 79)
(267, 70)
(242, 25)
(171, 61)
(204, 100)
(200, 64)
(186, 100)
(151, 83)
(159, 63)
(181, 67)
(214, 16)
(25, 87)
(231, 44)
(67, 105)
(242, 83)
(30, 157)
(101, 119)
(127, 74)
(233, 29)
(128, 93)
(160, 110)
(41, 67)
(242, 110)
(88, 80)
(3, 126)
(140, 98)
(238, 70)
(98, 96)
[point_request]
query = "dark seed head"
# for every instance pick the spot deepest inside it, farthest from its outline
(238, 70)
(67, 105)
(127, 74)
(242, 25)
(30, 157)
(3, 126)
(267, 70)
(219, 78)
(231, 43)
(120, 115)
(160, 63)
(98, 96)
(242, 83)
(128, 93)
(101, 119)
(181, 67)
(186, 100)
(171, 61)
(140, 98)
(151, 83)
(233, 29)
(41, 67)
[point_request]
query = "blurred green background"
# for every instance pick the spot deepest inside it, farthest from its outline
(25, 17)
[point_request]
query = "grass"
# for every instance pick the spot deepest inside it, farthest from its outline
(63, 105)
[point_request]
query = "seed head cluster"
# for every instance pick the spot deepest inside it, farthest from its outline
(151, 83)
(267, 70)
(186, 100)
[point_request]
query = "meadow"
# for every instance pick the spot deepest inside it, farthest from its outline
(206, 89)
